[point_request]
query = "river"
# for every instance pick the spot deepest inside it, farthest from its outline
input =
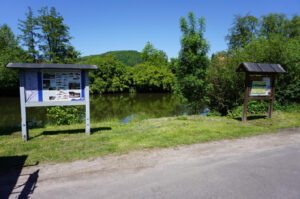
(122, 107)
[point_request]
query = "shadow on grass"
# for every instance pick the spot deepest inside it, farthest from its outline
(74, 131)
(7, 130)
(252, 117)
(10, 172)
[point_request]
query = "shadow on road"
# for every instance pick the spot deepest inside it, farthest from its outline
(12, 182)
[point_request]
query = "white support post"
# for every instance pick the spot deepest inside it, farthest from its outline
(87, 104)
(23, 107)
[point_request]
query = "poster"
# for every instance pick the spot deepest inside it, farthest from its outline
(61, 86)
(261, 87)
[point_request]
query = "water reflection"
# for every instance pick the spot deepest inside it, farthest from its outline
(123, 107)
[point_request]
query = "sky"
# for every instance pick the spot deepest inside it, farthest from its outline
(98, 26)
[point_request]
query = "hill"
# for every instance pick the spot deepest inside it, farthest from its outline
(127, 57)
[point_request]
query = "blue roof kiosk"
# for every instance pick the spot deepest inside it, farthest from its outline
(53, 85)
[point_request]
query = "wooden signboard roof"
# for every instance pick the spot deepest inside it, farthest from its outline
(50, 66)
(260, 68)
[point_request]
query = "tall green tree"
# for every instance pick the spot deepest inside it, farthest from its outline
(274, 24)
(293, 27)
(55, 37)
(244, 29)
(193, 61)
(29, 27)
(153, 55)
(10, 51)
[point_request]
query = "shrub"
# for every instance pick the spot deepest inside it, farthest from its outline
(64, 115)
(254, 108)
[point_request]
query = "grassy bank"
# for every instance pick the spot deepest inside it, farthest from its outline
(67, 143)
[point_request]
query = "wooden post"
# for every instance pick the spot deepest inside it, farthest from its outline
(272, 100)
(23, 107)
(246, 98)
(87, 104)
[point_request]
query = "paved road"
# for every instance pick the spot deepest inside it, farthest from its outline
(259, 167)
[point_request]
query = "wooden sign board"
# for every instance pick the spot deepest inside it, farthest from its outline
(259, 87)
(259, 83)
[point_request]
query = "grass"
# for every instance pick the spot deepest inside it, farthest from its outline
(67, 143)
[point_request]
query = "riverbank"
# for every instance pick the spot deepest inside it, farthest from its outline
(68, 143)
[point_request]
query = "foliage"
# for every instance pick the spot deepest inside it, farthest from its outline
(225, 85)
(46, 37)
(150, 77)
(55, 37)
(293, 27)
(29, 29)
(254, 108)
(289, 108)
(9, 52)
(244, 29)
(274, 24)
(64, 115)
(275, 42)
(153, 74)
(151, 54)
(126, 57)
(193, 61)
(111, 75)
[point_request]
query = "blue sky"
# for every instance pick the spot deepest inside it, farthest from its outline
(105, 25)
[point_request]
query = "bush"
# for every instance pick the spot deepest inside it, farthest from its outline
(254, 108)
(64, 115)
(287, 107)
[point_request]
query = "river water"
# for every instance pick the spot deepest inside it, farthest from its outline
(122, 107)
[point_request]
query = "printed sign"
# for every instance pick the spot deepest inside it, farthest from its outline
(261, 87)
(61, 86)
(53, 86)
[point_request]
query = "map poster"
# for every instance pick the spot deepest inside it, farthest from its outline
(62, 86)
(261, 87)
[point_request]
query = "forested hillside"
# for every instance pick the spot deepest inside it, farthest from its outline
(127, 57)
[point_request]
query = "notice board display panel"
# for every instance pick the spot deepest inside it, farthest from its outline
(62, 86)
(261, 86)
(47, 86)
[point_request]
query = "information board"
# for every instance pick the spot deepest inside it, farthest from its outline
(61, 86)
(261, 87)
(45, 86)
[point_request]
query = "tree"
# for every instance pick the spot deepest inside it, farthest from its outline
(151, 54)
(55, 37)
(244, 29)
(28, 27)
(193, 61)
(111, 75)
(274, 24)
(225, 85)
(9, 52)
(148, 76)
(293, 27)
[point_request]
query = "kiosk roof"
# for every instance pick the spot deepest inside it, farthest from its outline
(260, 68)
